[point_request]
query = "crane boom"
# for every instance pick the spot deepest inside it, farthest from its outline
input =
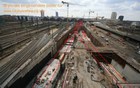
(69, 3)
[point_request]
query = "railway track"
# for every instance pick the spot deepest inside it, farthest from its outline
(13, 42)
(5, 70)
(27, 53)
(8, 29)
(11, 39)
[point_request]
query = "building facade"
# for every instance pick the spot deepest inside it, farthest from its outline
(42, 13)
(113, 15)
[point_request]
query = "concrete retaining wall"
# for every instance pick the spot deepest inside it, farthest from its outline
(118, 67)
(131, 74)
(92, 37)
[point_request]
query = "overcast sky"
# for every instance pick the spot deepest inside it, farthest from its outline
(130, 9)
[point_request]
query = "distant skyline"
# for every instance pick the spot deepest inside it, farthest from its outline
(130, 9)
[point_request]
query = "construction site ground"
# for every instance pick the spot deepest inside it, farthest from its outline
(82, 71)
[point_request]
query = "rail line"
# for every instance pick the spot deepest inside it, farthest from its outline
(27, 53)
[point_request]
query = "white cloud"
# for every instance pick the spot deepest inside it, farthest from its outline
(129, 8)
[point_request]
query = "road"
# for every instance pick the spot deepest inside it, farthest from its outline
(122, 46)
(124, 49)
(129, 35)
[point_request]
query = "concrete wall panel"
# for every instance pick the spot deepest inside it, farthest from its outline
(131, 74)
